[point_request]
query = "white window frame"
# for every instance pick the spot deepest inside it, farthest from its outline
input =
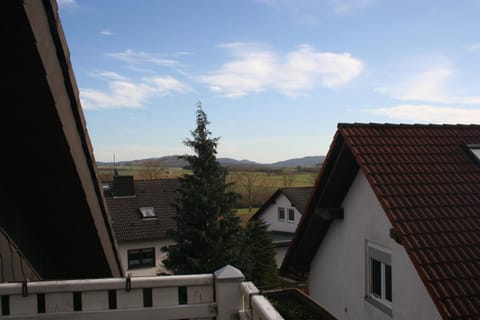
(147, 213)
(290, 210)
(280, 209)
(384, 257)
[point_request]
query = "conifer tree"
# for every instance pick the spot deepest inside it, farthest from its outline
(258, 255)
(208, 231)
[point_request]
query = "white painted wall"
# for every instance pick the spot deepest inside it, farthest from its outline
(338, 270)
(270, 215)
(280, 253)
(123, 248)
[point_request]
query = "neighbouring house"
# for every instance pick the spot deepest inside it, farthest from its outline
(392, 229)
(142, 212)
(53, 222)
(282, 212)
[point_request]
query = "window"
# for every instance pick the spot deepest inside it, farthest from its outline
(141, 258)
(291, 215)
(147, 212)
(379, 278)
(474, 150)
(281, 214)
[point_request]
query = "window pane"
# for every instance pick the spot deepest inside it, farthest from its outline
(148, 257)
(281, 213)
(388, 283)
(133, 254)
(291, 215)
(132, 263)
(375, 278)
(147, 212)
(133, 258)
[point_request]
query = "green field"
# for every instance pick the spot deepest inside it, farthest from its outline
(139, 172)
(254, 186)
(244, 214)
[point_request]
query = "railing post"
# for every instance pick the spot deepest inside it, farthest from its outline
(227, 292)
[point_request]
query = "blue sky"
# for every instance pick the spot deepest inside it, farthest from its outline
(275, 77)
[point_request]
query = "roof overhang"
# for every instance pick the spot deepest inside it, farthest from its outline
(334, 180)
(53, 203)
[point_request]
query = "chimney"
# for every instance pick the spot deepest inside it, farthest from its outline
(123, 186)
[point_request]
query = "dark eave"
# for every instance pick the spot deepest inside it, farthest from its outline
(329, 214)
(335, 178)
(51, 198)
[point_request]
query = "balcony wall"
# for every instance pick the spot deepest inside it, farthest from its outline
(223, 295)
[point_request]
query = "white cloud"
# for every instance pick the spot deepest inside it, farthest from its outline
(106, 33)
(433, 85)
(242, 76)
(141, 57)
(428, 114)
(424, 86)
(306, 65)
(165, 85)
(256, 68)
(109, 75)
(127, 94)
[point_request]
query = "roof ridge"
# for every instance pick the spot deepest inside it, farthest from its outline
(388, 124)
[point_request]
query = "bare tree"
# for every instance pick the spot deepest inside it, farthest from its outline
(288, 180)
(152, 169)
(248, 181)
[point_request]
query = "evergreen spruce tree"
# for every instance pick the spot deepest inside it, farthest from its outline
(258, 255)
(208, 231)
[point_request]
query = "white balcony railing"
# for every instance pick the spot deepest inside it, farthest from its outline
(222, 295)
(254, 305)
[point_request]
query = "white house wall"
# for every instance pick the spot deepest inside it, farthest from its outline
(270, 215)
(338, 271)
(123, 248)
(280, 253)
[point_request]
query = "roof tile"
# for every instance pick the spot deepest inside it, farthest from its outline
(127, 221)
(429, 187)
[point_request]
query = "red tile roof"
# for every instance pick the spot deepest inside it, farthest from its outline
(428, 184)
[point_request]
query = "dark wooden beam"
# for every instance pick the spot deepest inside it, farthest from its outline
(395, 236)
(329, 213)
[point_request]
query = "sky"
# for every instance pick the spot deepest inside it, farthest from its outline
(274, 77)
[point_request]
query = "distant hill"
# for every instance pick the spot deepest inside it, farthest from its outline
(234, 162)
(302, 162)
(175, 162)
